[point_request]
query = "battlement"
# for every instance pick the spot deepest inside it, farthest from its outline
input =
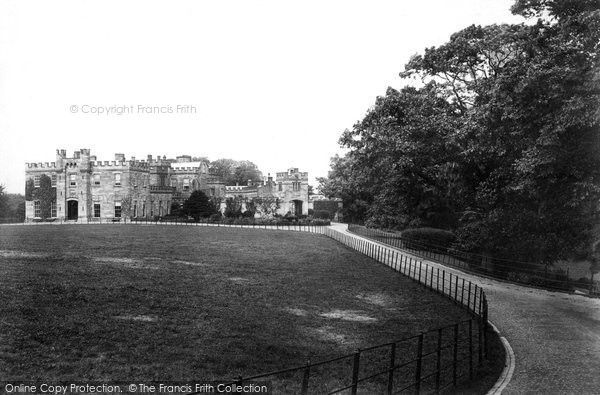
(109, 163)
(41, 165)
(288, 175)
(240, 189)
(236, 187)
(184, 169)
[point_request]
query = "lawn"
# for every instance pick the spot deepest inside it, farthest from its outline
(107, 302)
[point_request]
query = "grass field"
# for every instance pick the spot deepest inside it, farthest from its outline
(180, 303)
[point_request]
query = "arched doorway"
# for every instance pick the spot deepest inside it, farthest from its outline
(72, 209)
(297, 207)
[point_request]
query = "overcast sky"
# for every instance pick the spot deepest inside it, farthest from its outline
(273, 82)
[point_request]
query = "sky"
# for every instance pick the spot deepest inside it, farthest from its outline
(273, 82)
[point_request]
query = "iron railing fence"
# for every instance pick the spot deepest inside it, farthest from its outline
(514, 271)
(311, 228)
(429, 362)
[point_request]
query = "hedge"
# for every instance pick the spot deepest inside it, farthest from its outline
(430, 239)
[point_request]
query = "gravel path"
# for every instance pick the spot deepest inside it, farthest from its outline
(555, 336)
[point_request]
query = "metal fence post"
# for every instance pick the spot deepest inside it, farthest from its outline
(455, 287)
(355, 371)
(469, 297)
(392, 367)
(305, 378)
(455, 356)
(443, 281)
(431, 278)
(419, 364)
(485, 329)
(470, 349)
(480, 341)
(438, 366)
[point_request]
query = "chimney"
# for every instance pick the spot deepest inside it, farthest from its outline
(149, 158)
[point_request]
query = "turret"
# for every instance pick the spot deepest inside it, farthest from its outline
(60, 157)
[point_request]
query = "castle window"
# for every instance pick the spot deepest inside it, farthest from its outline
(36, 181)
(73, 180)
(117, 209)
(117, 179)
(135, 208)
(212, 191)
(143, 209)
(186, 184)
(53, 209)
(160, 208)
(296, 186)
(96, 210)
(37, 209)
(173, 182)
(280, 187)
(96, 179)
(53, 178)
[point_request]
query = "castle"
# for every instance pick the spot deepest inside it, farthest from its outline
(84, 188)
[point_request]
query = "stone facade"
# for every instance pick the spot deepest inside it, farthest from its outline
(83, 188)
(290, 189)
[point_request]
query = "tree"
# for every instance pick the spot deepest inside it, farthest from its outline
(404, 149)
(235, 172)
(246, 171)
(198, 206)
(4, 207)
(347, 181)
(233, 207)
(501, 144)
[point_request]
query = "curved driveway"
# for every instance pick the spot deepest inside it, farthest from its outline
(555, 336)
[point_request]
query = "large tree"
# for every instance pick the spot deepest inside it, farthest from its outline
(198, 205)
(502, 141)
(234, 172)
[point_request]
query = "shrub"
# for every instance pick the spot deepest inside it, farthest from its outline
(248, 214)
(321, 214)
(331, 206)
(430, 239)
(243, 221)
(215, 217)
(320, 222)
